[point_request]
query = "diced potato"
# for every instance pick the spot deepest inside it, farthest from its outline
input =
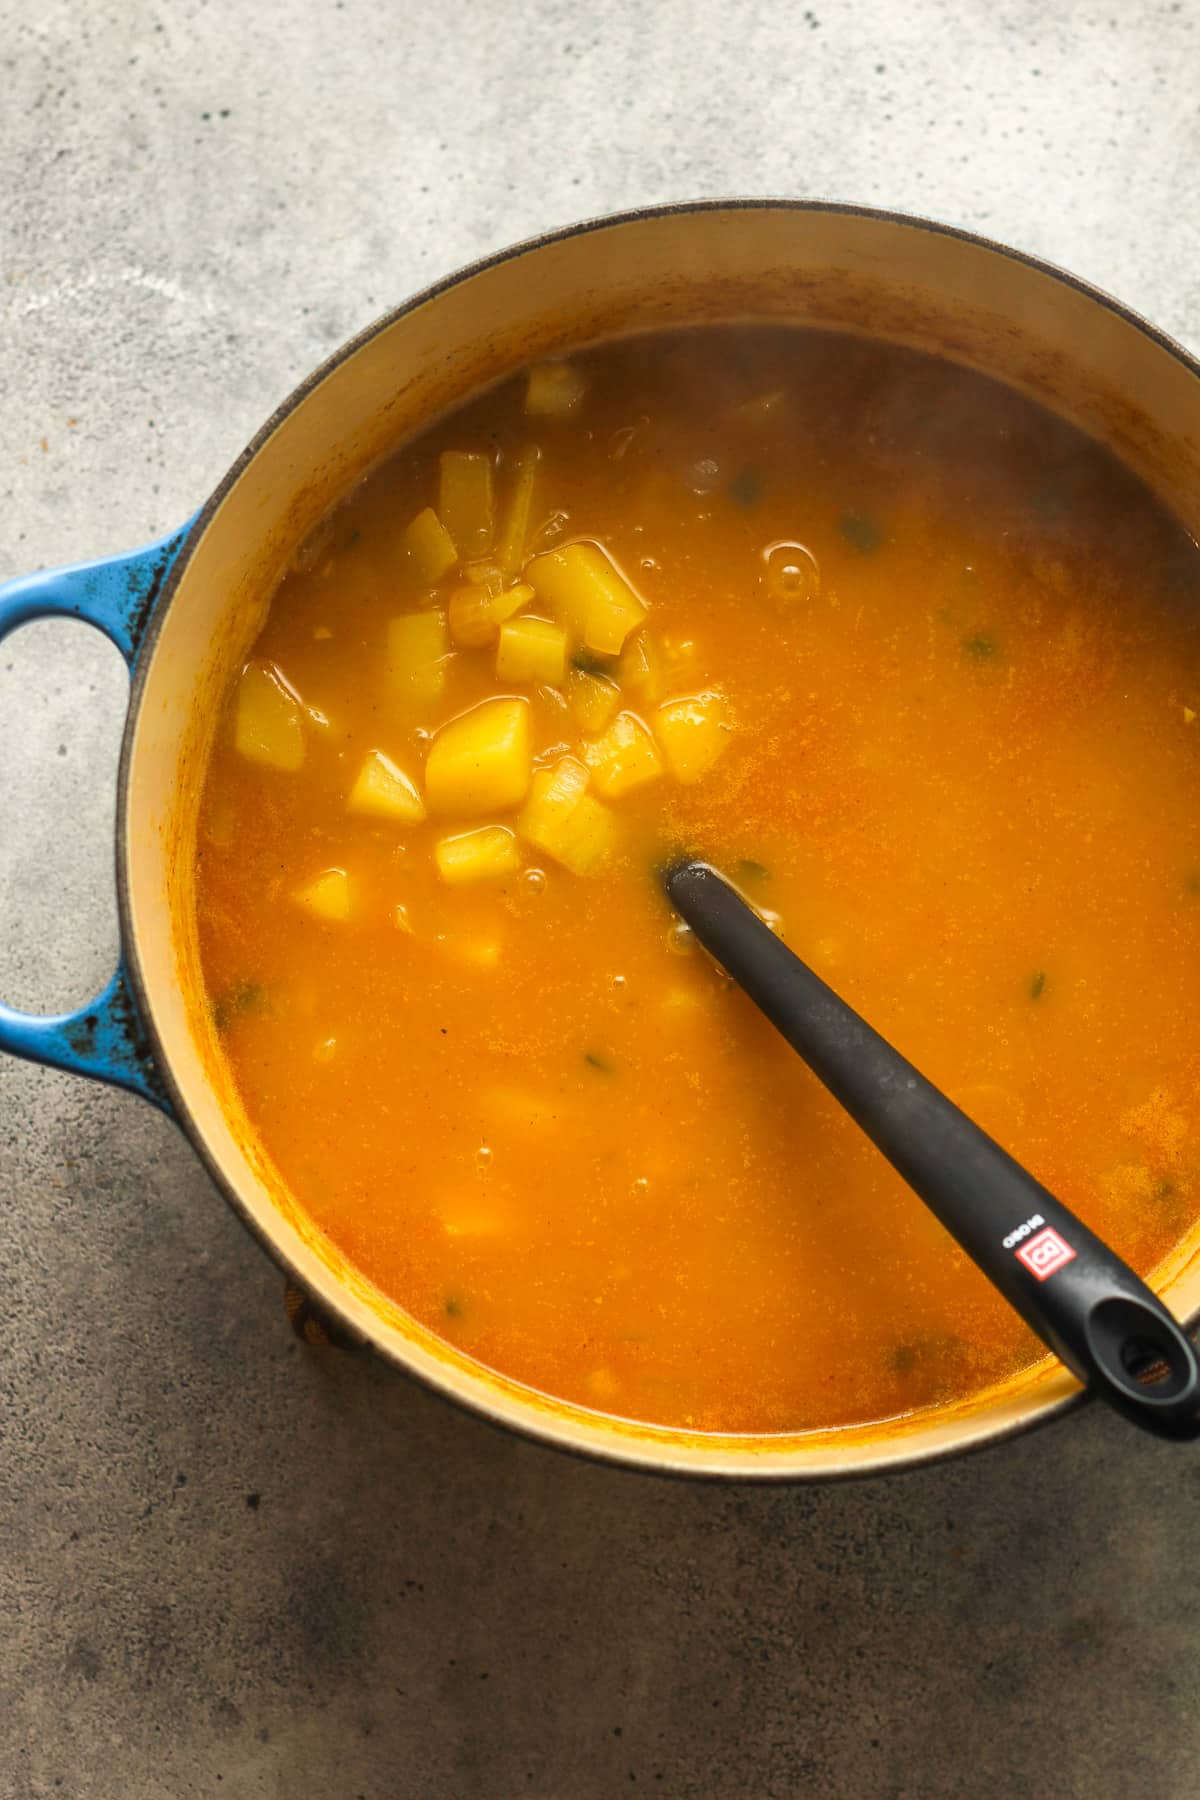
(554, 702)
(514, 532)
(465, 504)
(640, 669)
(586, 590)
(554, 390)
(593, 700)
(268, 708)
(385, 792)
(477, 855)
(429, 550)
(624, 758)
(470, 617)
(327, 896)
(693, 733)
(532, 650)
(480, 762)
(563, 819)
(267, 726)
(417, 648)
(477, 613)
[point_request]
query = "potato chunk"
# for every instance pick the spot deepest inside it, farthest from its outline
(267, 727)
(480, 762)
(583, 588)
(465, 505)
(514, 531)
(693, 733)
(624, 758)
(327, 896)
(477, 612)
(563, 819)
(640, 669)
(385, 792)
(429, 550)
(417, 648)
(477, 855)
(532, 650)
(554, 390)
(593, 700)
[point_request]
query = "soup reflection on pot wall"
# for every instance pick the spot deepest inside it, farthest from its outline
(873, 573)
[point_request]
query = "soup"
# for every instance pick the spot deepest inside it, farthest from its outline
(909, 659)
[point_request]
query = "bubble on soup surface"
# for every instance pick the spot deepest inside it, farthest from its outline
(792, 572)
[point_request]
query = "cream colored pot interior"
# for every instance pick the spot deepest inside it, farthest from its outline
(823, 266)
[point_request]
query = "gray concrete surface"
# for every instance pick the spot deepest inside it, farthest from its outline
(228, 1566)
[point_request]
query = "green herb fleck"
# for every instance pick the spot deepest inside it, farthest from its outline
(243, 997)
(454, 1307)
(594, 1060)
(1037, 985)
(749, 870)
(354, 536)
(1164, 1189)
(587, 664)
(981, 646)
(860, 530)
(931, 1365)
(746, 487)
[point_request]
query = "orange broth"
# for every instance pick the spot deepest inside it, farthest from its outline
(954, 754)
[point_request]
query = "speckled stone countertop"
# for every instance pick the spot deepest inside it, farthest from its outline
(231, 1566)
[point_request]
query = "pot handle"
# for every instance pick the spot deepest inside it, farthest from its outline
(105, 1039)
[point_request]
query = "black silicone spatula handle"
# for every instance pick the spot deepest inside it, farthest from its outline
(1089, 1306)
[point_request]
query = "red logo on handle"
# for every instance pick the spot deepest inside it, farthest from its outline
(1045, 1253)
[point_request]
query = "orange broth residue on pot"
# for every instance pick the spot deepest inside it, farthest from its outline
(912, 661)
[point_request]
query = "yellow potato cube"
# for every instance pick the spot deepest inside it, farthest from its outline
(477, 613)
(429, 550)
(477, 855)
(480, 762)
(624, 758)
(640, 669)
(465, 504)
(532, 650)
(327, 896)
(417, 649)
(554, 390)
(267, 727)
(514, 532)
(693, 733)
(563, 819)
(585, 589)
(384, 791)
(593, 700)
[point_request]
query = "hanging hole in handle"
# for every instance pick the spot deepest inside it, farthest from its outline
(1145, 1362)
(1141, 1352)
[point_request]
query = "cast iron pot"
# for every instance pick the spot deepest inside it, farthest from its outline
(183, 611)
